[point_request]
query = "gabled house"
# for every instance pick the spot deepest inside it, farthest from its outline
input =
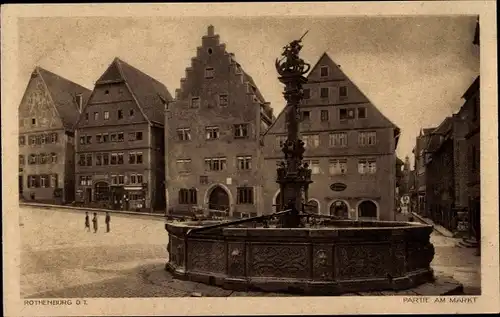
(120, 151)
(348, 140)
(213, 136)
(48, 112)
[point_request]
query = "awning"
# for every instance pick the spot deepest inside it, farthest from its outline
(132, 187)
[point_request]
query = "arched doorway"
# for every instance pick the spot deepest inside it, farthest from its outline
(218, 199)
(313, 206)
(339, 209)
(367, 209)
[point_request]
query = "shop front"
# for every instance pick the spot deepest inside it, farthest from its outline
(135, 197)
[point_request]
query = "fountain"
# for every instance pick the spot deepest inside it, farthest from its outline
(292, 250)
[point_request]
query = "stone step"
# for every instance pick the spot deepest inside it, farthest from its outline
(467, 244)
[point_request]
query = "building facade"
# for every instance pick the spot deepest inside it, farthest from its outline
(120, 133)
(446, 181)
(350, 147)
(418, 193)
(213, 135)
(48, 112)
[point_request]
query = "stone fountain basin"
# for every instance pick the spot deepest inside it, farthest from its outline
(341, 257)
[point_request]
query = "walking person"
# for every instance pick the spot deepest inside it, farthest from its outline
(94, 222)
(87, 221)
(108, 220)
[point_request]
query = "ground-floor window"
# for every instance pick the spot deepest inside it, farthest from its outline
(245, 195)
(339, 209)
(102, 191)
(188, 196)
(42, 181)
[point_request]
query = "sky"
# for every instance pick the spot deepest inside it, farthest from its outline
(413, 69)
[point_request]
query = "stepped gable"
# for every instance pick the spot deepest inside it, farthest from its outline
(243, 76)
(63, 93)
(149, 93)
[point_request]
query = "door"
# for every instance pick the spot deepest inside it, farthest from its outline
(88, 195)
(219, 199)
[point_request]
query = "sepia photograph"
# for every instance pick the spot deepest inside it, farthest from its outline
(243, 156)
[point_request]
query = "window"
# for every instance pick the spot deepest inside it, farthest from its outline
(324, 71)
(138, 135)
(32, 140)
(338, 167)
(311, 140)
(54, 180)
(184, 166)
(367, 138)
(131, 113)
(44, 158)
(223, 100)
(44, 181)
(32, 159)
(119, 136)
(113, 137)
(98, 159)
(314, 166)
(53, 138)
(362, 113)
(244, 162)
(21, 160)
(337, 139)
(244, 195)
(38, 139)
(324, 115)
(280, 141)
(22, 140)
(209, 73)
(139, 179)
(86, 116)
(119, 158)
(114, 158)
(89, 139)
(96, 116)
(305, 115)
(215, 164)
(106, 115)
(324, 92)
(121, 179)
(43, 138)
(135, 158)
(342, 92)
(86, 180)
(367, 166)
(89, 159)
(105, 138)
(184, 134)
(114, 179)
(241, 130)
(195, 102)
(136, 179)
(203, 180)
(105, 159)
(345, 114)
(98, 138)
(53, 158)
(32, 181)
(212, 133)
(120, 114)
(307, 93)
(33, 121)
(188, 196)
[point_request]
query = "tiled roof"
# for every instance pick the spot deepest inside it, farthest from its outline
(63, 93)
(148, 91)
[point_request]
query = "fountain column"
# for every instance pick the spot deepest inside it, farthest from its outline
(293, 176)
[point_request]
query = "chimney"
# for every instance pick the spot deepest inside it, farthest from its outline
(79, 102)
(211, 30)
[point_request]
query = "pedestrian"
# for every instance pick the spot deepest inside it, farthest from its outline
(94, 222)
(108, 220)
(87, 221)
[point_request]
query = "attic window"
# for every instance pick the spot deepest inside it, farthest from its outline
(238, 69)
(362, 113)
(209, 51)
(324, 71)
(131, 112)
(209, 73)
(346, 114)
(343, 92)
(33, 121)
